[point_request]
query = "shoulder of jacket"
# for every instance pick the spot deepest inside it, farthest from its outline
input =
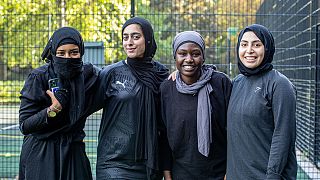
(166, 83)
(280, 78)
(238, 78)
(40, 71)
(220, 74)
(112, 66)
(160, 65)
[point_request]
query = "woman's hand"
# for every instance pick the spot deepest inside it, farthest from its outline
(55, 106)
(167, 175)
(173, 75)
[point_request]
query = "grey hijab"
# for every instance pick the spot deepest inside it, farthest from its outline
(202, 87)
(204, 109)
(185, 37)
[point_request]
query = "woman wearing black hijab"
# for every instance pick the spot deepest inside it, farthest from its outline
(128, 92)
(261, 128)
(53, 147)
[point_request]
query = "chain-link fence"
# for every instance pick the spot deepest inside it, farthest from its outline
(26, 25)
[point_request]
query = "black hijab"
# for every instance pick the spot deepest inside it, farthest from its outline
(144, 68)
(151, 45)
(64, 35)
(151, 74)
(267, 40)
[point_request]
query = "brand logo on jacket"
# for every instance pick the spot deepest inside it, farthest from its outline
(121, 83)
(257, 89)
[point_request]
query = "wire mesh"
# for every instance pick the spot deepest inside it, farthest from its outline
(26, 26)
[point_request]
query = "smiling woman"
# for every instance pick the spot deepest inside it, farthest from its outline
(133, 41)
(194, 108)
(251, 50)
(128, 92)
(189, 60)
(261, 114)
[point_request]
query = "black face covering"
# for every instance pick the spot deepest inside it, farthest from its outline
(64, 67)
(67, 68)
(71, 92)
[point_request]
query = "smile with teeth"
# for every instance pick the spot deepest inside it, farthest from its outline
(250, 58)
(188, 67)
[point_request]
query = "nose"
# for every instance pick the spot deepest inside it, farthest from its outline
(129, 41)
(189, 58)
(67, 55)
(250, 49)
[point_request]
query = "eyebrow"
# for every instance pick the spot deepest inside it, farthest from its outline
(181, 49)
(134, 33)
(252, 41)
(69, 50)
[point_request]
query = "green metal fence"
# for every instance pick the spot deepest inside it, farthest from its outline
(26, 25)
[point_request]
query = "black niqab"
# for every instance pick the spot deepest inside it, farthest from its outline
(73, 84)
(267, 40)
(54, 148)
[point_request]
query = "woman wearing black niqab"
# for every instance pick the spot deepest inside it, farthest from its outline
(128, 92)
(53, 147)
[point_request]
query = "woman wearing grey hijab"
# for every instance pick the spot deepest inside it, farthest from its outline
(194, 108)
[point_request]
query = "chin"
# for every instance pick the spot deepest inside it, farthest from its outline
(251, 66)
(131, 56)
(188, 73)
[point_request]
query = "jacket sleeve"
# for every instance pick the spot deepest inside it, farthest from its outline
(284, 135)
(33, 107)
(96, 94)
(227, 88)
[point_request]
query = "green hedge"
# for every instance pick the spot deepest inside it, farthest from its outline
(10, 91)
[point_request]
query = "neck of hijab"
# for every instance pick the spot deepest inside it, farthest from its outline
(204, 108)
(267, 40)
(147, 73)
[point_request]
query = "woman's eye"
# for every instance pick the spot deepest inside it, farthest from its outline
(125, 38)
(136, 37)
(74, 53)
(182, 53)
(196, 54)
(243, 45)
(60, 53)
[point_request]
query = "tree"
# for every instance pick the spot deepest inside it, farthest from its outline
(26, 26)
(211, 18)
